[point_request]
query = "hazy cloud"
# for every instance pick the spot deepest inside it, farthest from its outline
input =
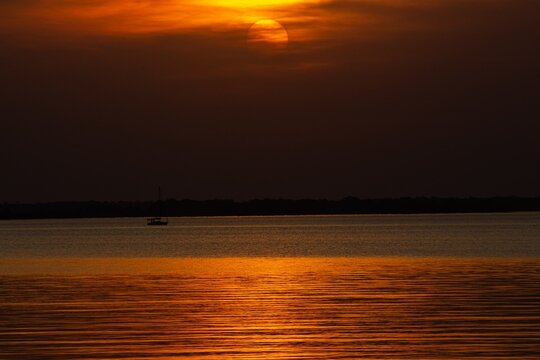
(372, 98)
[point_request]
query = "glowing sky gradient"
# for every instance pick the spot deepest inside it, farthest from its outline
(105, 99)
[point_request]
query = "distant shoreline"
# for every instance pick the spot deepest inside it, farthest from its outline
(261, 207)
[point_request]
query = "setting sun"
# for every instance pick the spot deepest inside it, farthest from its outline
(267, 34)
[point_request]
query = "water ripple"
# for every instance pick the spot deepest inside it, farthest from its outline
(295, 308)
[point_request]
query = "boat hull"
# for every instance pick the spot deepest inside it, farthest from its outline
(156, 222)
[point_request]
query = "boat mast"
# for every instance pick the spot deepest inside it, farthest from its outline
(157, 219)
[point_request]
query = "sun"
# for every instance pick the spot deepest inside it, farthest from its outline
(267, 34)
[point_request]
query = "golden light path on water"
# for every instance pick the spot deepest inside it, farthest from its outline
(270, 308)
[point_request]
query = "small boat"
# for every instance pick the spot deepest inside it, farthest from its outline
(157, 220)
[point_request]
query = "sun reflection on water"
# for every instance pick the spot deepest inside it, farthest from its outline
(273, 308)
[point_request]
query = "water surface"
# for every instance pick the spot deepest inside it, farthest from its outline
(337, 287)
(477, 235)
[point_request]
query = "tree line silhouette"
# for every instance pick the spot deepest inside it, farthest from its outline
(348, 205)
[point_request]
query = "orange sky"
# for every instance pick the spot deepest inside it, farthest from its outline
(369, 98)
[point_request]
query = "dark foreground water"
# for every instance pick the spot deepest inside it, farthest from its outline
(394, 287)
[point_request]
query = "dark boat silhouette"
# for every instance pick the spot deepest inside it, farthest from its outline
(156, 221)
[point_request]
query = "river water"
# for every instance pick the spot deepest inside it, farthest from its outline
(299, 287)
